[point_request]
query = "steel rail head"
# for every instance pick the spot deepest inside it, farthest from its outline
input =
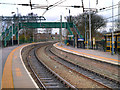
(67, 83)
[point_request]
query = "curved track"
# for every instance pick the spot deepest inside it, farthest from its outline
(93, 76)
(43, 75)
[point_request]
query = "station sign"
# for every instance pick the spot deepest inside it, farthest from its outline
(93, 40)
(70, 35)
(80, 39)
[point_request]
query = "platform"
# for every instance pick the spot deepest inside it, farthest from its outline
(4, 52)
(92, 54)
(15, 74)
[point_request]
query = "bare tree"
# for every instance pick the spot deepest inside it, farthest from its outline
(97, 22)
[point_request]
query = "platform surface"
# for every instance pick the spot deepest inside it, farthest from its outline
(15, 74)
(4, 52)
(93, 54)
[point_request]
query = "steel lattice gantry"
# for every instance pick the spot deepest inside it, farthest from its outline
(68, 25)
(46, 24)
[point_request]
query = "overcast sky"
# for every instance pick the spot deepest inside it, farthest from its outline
(54, 13)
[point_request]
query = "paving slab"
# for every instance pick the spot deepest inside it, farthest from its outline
(15, 74)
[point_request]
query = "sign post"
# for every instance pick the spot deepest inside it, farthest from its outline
(93, 42)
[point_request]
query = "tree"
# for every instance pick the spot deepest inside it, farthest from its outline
(97, 22)
(117, 24)
(29, 32)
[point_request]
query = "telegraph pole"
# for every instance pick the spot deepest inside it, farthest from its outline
(90, 23)
(61, 30)
(18, 26)
(12, 33)
(82, 5)
(85, 29)
(69, 15)
(12, 29)
(112, 30)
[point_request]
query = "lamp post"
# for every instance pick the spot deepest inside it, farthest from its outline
(18, 25)
(12, 30)
(69, 14)
(61, 30)
(85, 28)
(12, 34)
(112, 30)
(90, 23)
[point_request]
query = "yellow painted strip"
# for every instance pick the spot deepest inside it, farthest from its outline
(15, 57)
(7, 78)
(18, 72)
(89, 54)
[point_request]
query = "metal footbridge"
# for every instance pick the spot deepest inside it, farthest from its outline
(13, 29)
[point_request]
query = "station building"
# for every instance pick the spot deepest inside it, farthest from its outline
(108, 41)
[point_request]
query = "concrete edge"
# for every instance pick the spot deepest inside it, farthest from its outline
(83, 55)
(7, 76)
(35, 84)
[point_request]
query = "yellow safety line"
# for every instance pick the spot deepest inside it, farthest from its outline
(89, 54)
(7, 78)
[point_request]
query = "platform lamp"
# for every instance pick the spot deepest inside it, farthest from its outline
(12, 29)
(85, 29)
(90, 25)
(61, 30)
(69, 14)
(18, 24)
(112, 29)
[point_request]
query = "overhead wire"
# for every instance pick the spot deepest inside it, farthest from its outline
(112, 17)
(9, 3)
(53, 5)
(108, 8)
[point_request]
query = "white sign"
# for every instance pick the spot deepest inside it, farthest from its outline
(81, 39)
(13, 34)
(0, 25)
(93, 40)
(70, 35)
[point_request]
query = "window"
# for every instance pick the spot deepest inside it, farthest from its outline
(108, 39)
(108, 43)
(118, 39)
(118, 44)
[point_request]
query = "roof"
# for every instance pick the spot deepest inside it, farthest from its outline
(110, 33)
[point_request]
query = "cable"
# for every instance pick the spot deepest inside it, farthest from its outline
(9, 3)
(112, 17)
(56, 4)
(53, 5)
(108, 8)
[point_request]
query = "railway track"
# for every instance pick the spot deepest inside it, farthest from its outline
(45, 77)
(93, 76)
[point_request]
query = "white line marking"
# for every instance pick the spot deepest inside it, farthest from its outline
(55, 45)
(26, 68)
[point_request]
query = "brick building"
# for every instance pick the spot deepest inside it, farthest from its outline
(46, 37)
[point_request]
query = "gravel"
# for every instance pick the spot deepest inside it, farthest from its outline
(73, 78)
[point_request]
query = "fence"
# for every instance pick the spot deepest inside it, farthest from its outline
(80, 44)
(71, 42)
(9, 43)
(99, 45)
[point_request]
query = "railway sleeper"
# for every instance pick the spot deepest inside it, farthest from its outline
(91, 71)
